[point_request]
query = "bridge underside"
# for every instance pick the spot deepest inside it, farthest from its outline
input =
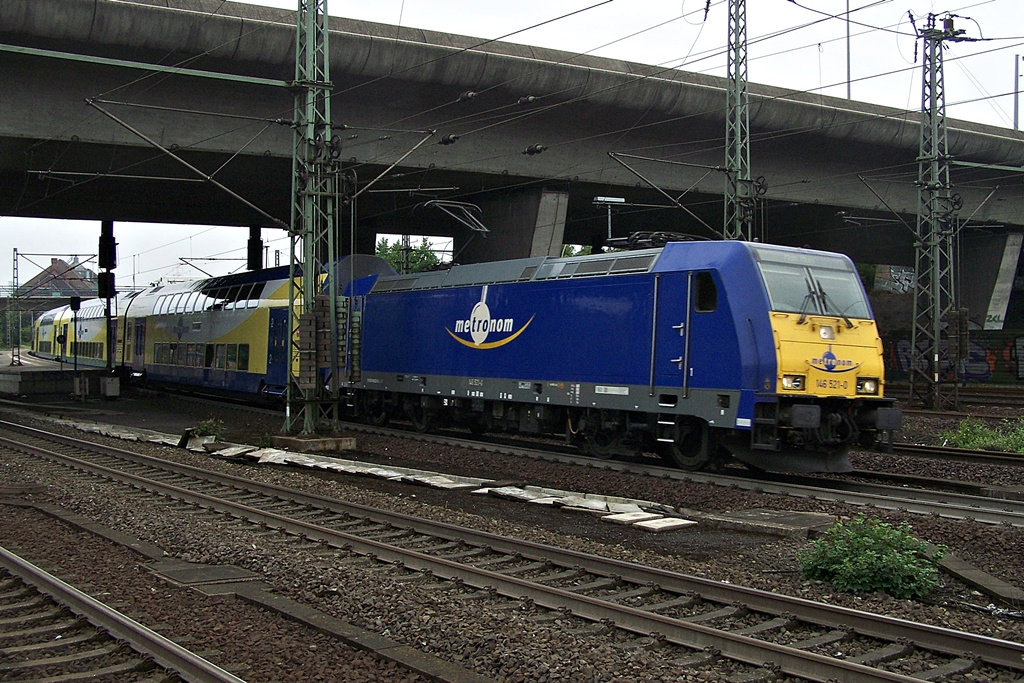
(838, 175)
(72, 179)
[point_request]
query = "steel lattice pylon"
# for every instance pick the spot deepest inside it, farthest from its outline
(739, 200)
(14, 334)
(934, 376)
(314, 227)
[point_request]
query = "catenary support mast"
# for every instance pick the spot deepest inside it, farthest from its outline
(739, 200)
(937, 333)
(311, 396)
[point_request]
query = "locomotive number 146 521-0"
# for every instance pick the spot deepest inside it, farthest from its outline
(832, 383)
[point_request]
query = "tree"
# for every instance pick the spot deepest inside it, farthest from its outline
(421, 257)
(571, 250)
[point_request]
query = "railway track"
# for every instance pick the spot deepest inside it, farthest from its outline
(961, 455)
(973, 395)
(700, 620)
(978, 502)
(960, 500)
(51, 631)
(909, 493)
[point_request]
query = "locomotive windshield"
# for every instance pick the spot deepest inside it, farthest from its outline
(811, 283)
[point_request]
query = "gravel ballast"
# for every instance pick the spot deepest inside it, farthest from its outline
(486, 635)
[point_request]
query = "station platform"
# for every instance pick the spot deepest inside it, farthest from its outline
(36, 378)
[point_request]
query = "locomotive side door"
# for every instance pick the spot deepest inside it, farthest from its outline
(672, 332)
(686, 335)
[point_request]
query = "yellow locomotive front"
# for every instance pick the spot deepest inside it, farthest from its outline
(830, 381)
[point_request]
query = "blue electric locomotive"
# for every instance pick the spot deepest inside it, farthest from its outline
(770, 353)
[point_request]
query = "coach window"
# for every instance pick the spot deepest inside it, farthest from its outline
(210, 349)
(219, 360)
(232, 298)
(705, 298)
(232, 357)
(256, 294)
(216, 301)
(243, 297)
(243, 357)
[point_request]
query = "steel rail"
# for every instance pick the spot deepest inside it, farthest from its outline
(1002, 653)
(960, 455)
(166, 653)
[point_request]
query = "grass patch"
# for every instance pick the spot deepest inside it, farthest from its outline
(977, 435)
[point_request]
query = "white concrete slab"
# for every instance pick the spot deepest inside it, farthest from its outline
(630, 517)
(271, 456)
(384, 473)
(233, 451)
(592, 504)
(514, 493)
(438, 481)
(665, 524)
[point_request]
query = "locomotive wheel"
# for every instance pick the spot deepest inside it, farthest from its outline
(376, 411)
(420, 416)
(603, 445)
(691, 449)
(379, 415)
(477, 427)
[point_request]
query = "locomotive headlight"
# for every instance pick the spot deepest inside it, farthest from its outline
(793, 382)
(867, 385)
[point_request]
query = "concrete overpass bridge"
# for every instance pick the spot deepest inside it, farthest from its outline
(207, 82)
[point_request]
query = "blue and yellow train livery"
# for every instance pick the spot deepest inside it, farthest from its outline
(695, 350)
(226, 334)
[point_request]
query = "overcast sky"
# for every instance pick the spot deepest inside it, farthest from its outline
(798, 45)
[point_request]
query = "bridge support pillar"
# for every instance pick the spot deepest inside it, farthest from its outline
(528, 223)
(988, 270)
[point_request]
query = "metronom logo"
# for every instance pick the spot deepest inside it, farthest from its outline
(479, 325)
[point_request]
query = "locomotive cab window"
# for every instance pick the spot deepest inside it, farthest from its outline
(705, 295)
(811, 283)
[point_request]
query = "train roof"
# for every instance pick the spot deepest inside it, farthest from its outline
(674, 256)
(522, 270)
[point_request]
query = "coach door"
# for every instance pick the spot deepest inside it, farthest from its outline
(277, 347)
(139, 344)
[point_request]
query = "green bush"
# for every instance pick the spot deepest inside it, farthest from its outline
(977, 435)
(865, 555)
